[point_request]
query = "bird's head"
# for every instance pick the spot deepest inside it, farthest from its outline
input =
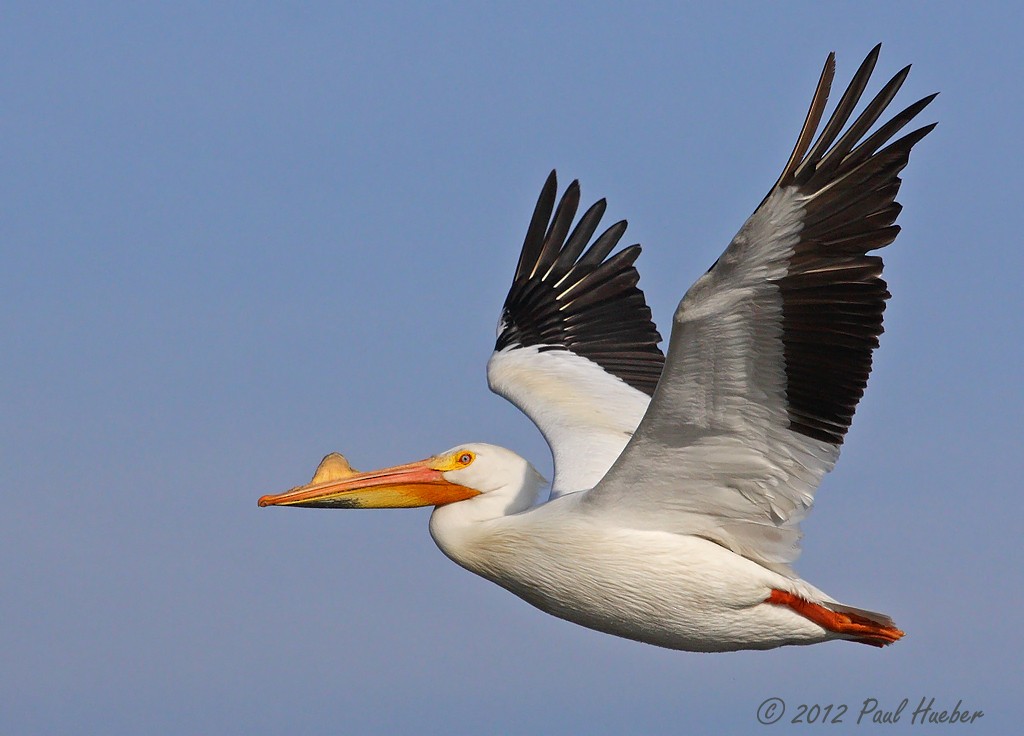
(462, 473)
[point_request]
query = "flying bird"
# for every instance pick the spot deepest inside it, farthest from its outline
(680, 480)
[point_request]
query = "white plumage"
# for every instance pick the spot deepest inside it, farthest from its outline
(673, 590)
(680, 481)
(557, 390)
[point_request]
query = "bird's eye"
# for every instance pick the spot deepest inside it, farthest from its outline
(465, 458)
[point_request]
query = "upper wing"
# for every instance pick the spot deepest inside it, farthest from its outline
(771, 349)
(577, 351)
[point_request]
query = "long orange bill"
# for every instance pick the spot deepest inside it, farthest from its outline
(336, 486)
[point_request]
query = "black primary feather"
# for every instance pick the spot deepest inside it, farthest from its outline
(588, 303)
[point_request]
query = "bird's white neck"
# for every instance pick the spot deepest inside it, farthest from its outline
(454, 525)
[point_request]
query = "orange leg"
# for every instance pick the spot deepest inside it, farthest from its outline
(859, 628)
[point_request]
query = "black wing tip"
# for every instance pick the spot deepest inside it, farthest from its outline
(830, 64)
(533, 243)
(831, 324)
(911, 139)
(834, 142)
(572, 294)
(549, 190)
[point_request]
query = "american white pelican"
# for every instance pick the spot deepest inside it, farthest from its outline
(680, 481)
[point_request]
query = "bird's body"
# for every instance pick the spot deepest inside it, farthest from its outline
(680, 480)
(673, 590)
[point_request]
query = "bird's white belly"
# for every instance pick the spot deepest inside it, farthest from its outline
(671, 590)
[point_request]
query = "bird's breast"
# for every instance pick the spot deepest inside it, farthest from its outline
(662, 588)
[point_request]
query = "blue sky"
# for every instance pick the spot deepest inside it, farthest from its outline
(237, 238)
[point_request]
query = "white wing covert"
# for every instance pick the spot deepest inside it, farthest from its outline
(576, 351)
(771, 349)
